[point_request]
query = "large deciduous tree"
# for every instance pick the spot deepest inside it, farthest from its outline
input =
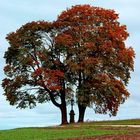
(34, 68)
(99, 61)
(84, 49)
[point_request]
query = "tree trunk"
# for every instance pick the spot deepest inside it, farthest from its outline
(63, 108)
(82, 109)
(63, 114)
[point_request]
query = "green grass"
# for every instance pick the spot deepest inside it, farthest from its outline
(118, 122)
(50, 134)
(68, 131)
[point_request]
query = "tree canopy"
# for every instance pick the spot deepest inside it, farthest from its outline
(84, 48)
(98, 56)
(34, 68)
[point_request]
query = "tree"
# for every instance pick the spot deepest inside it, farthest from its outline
(99, 61)
(34, 68)
(83, 49)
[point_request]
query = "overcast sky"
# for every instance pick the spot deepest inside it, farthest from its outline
(15, 13)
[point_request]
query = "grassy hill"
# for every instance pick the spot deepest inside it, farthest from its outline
(71, 131)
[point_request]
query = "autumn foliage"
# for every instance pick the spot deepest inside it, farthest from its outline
(83, 48)
(97, 56)
(35, 73)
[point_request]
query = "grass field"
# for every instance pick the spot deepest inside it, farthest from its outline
(118, 122)
(70, 131)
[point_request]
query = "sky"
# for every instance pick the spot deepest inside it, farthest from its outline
(15, 13)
